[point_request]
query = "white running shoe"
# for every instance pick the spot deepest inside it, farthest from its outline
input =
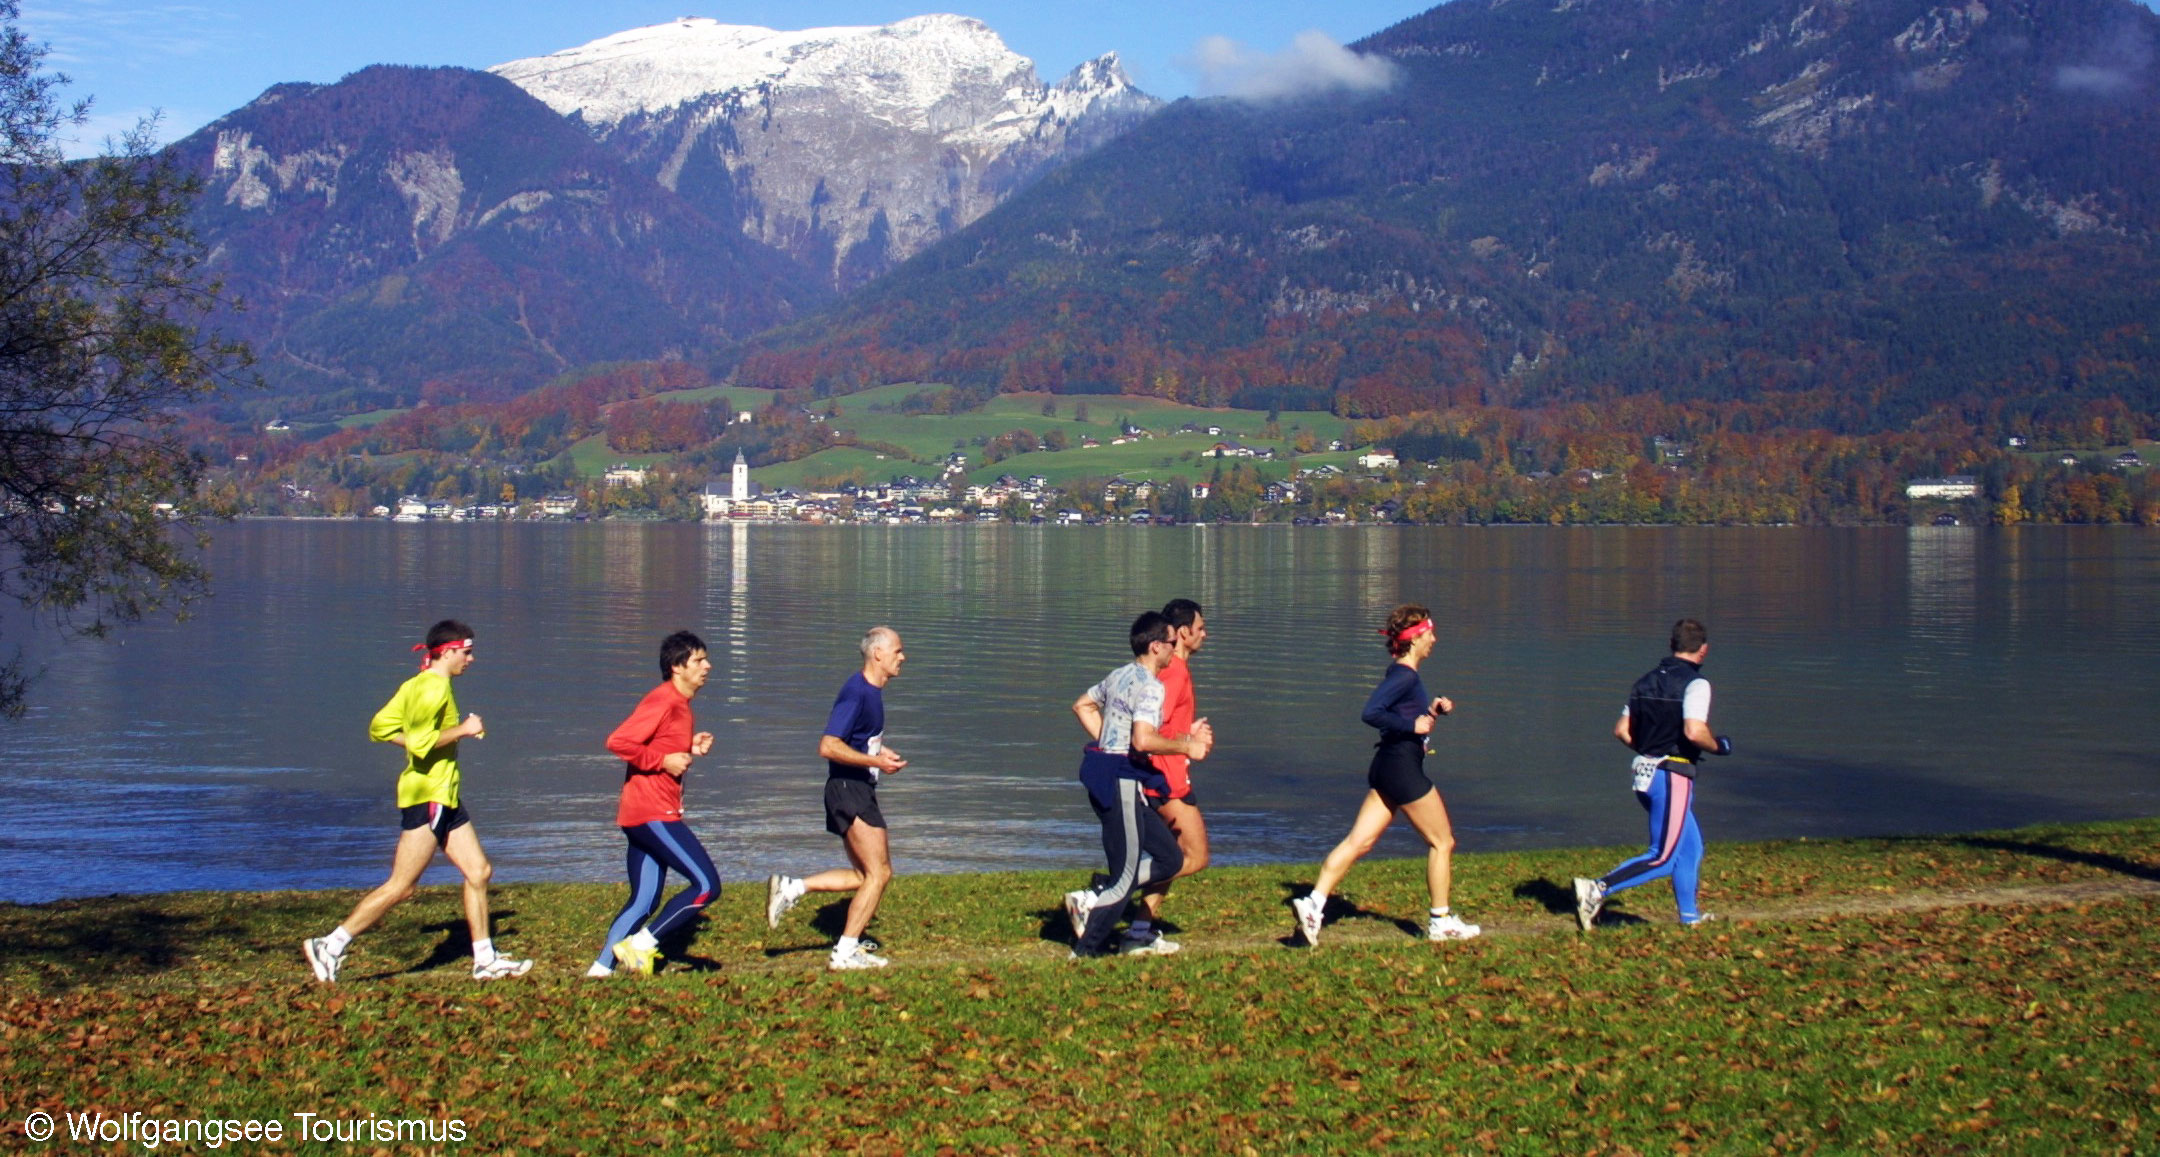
(1698, 921)
(1078, 903)
(1156, 945)
(321, 959)
(499, 968)
(1311, 913)
(781, 894)
(1589, 901)
(1450, 927)
(860, 958)
(599, 970)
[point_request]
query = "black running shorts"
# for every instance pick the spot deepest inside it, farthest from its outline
(847, 800)
(1398, 773)
(435, 818)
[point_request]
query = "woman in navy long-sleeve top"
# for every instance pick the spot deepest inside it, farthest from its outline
(1403, 714)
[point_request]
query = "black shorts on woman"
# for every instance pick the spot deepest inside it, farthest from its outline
(1398, 771)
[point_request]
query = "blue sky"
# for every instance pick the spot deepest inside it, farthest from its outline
(196, 61)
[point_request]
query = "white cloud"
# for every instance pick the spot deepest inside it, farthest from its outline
(109, 34)
(1313, 64)
(2117, 67)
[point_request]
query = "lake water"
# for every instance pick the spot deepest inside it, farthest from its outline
(1877, 681)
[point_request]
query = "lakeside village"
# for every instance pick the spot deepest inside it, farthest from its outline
(1033, 500)
(909, 499)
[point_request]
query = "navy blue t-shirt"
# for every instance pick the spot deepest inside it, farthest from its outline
(1396, 703)
(858, 720)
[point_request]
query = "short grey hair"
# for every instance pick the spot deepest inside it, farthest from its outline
(875, 635)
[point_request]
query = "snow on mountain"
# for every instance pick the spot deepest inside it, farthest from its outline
(850, 147)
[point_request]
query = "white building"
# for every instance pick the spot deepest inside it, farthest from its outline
(1953, 487)
(624, 474)
(1378, 460)
(735, 500)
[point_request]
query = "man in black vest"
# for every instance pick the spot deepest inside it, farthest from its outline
(1666, 723)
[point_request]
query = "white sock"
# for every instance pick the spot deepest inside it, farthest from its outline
(337, 940)
(1438, 913)
(846, 946)
(483, 951)
(644, 940)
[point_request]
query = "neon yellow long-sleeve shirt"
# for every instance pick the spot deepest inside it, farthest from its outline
(421, 711)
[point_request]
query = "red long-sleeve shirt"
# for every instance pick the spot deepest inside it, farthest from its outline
(661, 726)
(1177, 721)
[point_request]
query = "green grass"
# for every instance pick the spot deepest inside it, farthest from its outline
(837, 462)
(738, 397)
(371, 418)
(1828, 1019)
(591, 458)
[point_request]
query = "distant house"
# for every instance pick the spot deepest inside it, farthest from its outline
(624, 474)
(2068, 460)
(2014, 442)
(1378, 460)
(2128, 460)
(1233, 450)
(559, 505)
(410, 509)
(1953, 487)
(278, 426)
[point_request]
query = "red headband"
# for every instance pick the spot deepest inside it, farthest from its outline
(1412, 631)
(434, 653)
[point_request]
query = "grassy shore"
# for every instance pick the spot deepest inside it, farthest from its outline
(1993, 992)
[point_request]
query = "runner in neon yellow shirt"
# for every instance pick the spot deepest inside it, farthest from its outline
(422, 718)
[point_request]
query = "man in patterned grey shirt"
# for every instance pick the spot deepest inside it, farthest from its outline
(1121, 714)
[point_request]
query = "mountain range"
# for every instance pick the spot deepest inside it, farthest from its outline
(1841, 214)
(1851, 212)
(415, 233)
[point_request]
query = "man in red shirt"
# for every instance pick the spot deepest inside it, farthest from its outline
(1188, 633)
(657, 744)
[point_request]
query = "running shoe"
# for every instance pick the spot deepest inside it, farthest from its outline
(1705, 918)
(599, 969)
(859, 958)
(1450, 927)
(781, 894)
(1589, 901)
(1311, 913)
(1077, 905)
(634, 958)
(1154, 945)
(499, 968)
(321, 959)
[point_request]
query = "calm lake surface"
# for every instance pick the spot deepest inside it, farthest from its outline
(1877, 681)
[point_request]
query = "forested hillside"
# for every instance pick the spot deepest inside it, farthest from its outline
(1844, 215)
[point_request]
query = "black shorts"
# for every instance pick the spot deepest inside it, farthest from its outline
(1398, 773)
(1190, 799)
(848, 800)
(434, 817)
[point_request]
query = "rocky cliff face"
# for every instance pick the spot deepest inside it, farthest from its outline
(848, 148)
(439, 231)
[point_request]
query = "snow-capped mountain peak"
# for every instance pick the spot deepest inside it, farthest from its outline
(901, 72)
(851, 147)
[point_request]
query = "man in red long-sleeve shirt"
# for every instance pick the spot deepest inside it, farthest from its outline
(657, 744)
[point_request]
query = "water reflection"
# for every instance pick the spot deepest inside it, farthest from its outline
(1867, 672)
